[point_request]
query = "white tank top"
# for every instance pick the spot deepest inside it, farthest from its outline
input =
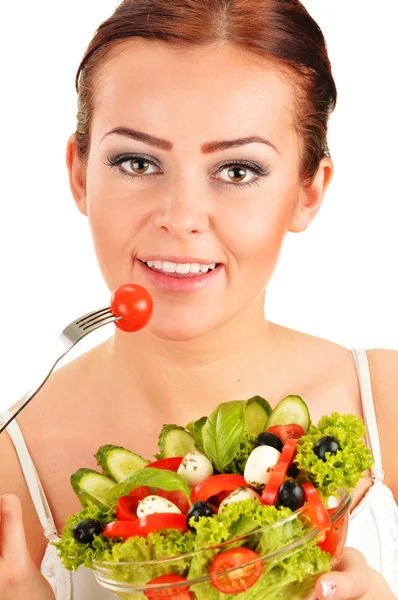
(373, 527)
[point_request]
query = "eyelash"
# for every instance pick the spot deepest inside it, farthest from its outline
(258, 169)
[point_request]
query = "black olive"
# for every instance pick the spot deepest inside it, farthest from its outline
(269, 439)
(197, 510)
(85, 530)
(326, 444)
(291, 494)
(293, 471)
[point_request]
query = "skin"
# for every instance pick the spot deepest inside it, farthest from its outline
(218, 339)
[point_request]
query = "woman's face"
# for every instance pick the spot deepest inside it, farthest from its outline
(194, 160)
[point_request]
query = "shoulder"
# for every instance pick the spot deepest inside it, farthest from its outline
(383, 366)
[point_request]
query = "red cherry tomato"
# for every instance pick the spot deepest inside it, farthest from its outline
(179, 593)
(231, 583)
(216, 484)
(126, 509)
(176, 497)
(134, 304)
(278, 473)
(145, 525)
(318, 513)
(170, 464)
(287, 432)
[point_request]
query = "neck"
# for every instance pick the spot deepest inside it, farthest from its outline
(172, 378)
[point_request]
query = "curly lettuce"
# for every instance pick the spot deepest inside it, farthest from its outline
(340, 470)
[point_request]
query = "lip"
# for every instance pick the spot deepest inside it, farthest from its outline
(179, 259)
(180, 285)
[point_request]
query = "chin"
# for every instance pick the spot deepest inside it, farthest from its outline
(178, 330)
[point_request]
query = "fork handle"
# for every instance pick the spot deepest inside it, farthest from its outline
(26, 399)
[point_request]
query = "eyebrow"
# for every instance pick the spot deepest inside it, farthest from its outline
(206, 148)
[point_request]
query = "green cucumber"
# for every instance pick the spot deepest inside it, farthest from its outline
(175, 441)
(257, 411)
(91, 487)
(117, 462)
(291, 409)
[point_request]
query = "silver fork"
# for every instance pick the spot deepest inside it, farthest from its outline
(69, 337)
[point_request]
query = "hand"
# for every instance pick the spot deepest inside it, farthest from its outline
(353, 580)
(19, 577)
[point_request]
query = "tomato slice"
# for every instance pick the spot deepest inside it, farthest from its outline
(141, 492)
(240, 580)
(170, 464)
(318, 513)
(278, 473)
(126, 509)
(179, 593)
(134, 304)
(176, 497)
(287, 432)
(145, 525)
(216, 484)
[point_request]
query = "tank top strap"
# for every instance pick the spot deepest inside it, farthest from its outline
(32, 479)
(372, 437)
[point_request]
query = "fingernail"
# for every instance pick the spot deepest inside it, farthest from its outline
(329, 588)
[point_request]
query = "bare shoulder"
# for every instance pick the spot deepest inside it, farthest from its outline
(43, 427)
(383, 366)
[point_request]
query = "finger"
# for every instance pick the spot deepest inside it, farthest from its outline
(350, 582)
(13, 548)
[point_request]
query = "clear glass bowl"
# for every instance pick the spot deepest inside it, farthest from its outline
(278, 581)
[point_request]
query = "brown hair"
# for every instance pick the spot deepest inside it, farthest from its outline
(277, 30)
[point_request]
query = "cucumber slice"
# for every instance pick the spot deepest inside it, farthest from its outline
(257, 411)
(175, 441)
(291, 409)
(91, 487)
(117, 462)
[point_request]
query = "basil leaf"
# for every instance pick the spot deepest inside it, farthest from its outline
(223, 433)
(157, 478)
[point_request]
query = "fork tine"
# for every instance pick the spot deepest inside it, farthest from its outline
(93, 315)
(103, 321)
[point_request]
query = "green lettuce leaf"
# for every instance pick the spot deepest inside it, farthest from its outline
(223, 433)
(237, 465)
(73, 553)
(343, 469)
(157, 478)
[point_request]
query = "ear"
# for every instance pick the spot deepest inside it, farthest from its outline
(77, 175)
(311, 197)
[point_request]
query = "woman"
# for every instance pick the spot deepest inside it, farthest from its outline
(201, 141)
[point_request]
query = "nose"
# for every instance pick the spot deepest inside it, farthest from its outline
(182, 211)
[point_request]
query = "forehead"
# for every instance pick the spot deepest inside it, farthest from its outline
(200, 92)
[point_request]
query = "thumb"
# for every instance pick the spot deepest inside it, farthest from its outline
(350, 582)
(13, 547)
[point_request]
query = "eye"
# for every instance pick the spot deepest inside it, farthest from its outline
(236, 174)
(138, 166)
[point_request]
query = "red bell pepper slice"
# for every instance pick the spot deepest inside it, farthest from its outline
(278, 473)
(145, 525)
(170, 464)
(216, 484)
(318, 514)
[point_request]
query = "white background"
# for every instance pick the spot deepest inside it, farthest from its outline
(338, 280)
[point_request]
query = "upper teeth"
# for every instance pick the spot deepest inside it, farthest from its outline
(183, 268)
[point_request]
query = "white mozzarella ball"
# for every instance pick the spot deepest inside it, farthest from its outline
(332, 502)
(259, 465)
(237, 496)
(155, 504)
(195, 468)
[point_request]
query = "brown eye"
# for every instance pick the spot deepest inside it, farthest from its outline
(139, 165)
(237, 174)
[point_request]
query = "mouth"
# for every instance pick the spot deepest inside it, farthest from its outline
(181, 276)
(181, 270)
